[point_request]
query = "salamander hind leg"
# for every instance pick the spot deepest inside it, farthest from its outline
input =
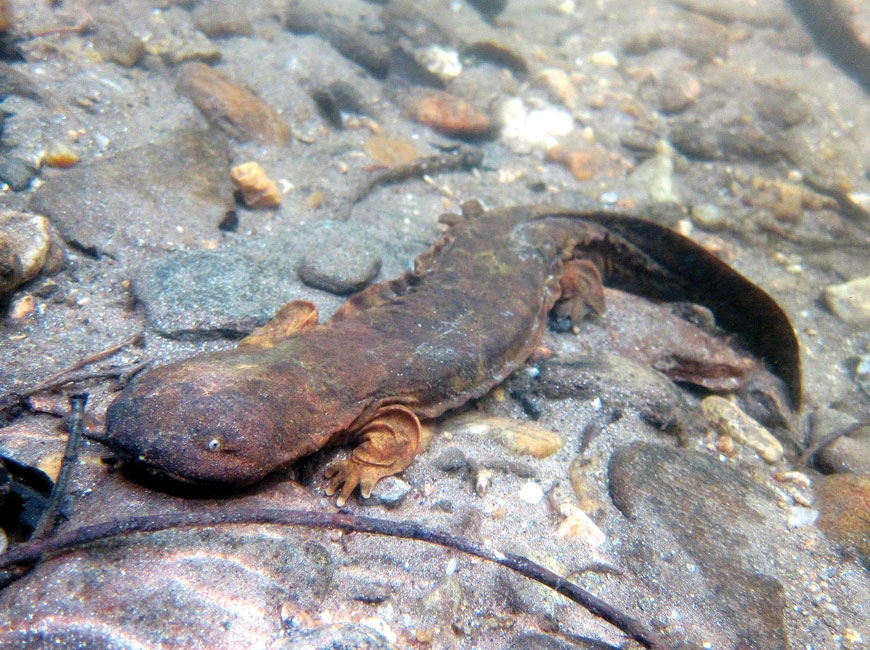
(581, 291)
(388, 444)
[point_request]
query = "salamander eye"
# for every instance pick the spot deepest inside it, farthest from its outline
(215, 444)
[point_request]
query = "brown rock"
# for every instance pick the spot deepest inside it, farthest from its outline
(583, 163)
(679, 90)
(28, 245)
(60, 156)
(390, 152)
(845, 504)
(10, 266)
(230, 107)
(220, 18)
(115, 42)
(450, 115)
(6, 19)
(169, 186)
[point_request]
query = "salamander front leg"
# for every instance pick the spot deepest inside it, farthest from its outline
(581, 291)
(389, 442)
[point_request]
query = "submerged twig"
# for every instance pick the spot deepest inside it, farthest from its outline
(65, 376)
(846, 204)
(810, 452)
(34, 551)
(78, 365)
(448, 161)
(70, 456)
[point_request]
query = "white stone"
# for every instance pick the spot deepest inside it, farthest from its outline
(531, 492)
(525, 130)
(800, 517)
(850, 301)
(442, 62)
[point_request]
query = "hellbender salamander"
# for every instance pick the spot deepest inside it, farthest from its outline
(471, 312)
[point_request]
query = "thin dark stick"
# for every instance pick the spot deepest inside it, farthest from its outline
(34, 551)
(70, 457)
(810, 452)
(78, 365)
(847, 206)
(65, 376)
(462, 159)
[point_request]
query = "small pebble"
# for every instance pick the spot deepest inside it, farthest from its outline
(184, 44)
(388, 492)
(390, 152)
(482, 481)
(559, 86)
(451, 459)
(800, 517)
(656, 176)
(449, 114)
(577, 525)
(583, 162)
(525, 130)
(783, 107)
(444, 600)
(22, 308)
(59, 155)
(315, 200)
(604, 58)
(258, 190)
(729, 420)
(708, 217)
(678, 91)
(380, 626)
(489, 9)
(441, 62)
(7, 19)
(531, 492)
(16, 173)
(221, 18)
(518, 436)
(588, 494)
(850, 301)
(115, 42)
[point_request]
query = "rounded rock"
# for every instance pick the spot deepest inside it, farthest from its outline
(450, 115)
(28, 245)
(343, 262)
(10, 267)
(16, 173)
(728, 420)
(388, 492)
(850, 301)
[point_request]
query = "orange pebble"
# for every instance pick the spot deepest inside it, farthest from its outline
(258, 190)
(449, 114)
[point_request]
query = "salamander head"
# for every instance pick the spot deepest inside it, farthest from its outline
(194, 427)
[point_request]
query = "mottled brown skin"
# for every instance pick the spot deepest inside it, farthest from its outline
(471, 312)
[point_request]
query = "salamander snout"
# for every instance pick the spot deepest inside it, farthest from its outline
(192, 430)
